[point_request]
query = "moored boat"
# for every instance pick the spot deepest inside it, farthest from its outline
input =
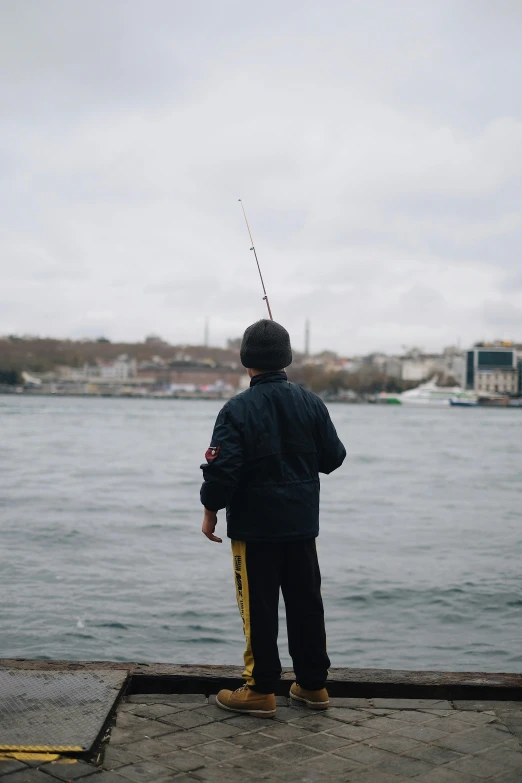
(439, 396)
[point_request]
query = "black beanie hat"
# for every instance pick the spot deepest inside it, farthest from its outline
(266, 346)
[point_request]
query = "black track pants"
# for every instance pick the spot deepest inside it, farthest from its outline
(261, 569)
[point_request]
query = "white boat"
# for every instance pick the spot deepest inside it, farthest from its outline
(439, 396)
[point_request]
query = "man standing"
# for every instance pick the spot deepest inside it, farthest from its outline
(268, 447)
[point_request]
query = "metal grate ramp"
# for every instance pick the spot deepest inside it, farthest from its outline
(60, 711)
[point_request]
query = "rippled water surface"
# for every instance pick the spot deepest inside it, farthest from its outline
(101, 554)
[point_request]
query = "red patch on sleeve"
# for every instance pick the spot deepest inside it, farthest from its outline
(211, 453)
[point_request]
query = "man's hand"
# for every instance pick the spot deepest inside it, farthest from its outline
(209, 525)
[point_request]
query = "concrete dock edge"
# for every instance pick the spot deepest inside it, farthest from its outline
(343, 682)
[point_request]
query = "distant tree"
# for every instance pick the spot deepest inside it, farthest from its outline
(102, 340)
(234, 343)
(154, 339)
(10, 377)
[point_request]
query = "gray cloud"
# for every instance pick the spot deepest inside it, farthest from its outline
(503, 315)
(377, 147)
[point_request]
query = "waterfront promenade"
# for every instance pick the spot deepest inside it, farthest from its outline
(182, 736)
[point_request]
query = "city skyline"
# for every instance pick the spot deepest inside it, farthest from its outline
(305, 349)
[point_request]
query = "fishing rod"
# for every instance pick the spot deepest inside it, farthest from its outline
(265, 297)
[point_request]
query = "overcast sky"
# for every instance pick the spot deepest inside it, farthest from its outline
(376, 144)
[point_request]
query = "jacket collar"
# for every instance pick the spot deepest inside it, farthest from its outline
(268, 377)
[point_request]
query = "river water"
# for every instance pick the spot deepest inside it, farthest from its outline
(101, 554)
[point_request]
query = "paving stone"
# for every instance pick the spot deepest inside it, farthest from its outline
(328, 765)
(253, 742)
(183, 760)
(480, 706)
(62, 771)
(473, 718)
(287, 714)
(304, 774)
(405, 766)
(110, 777)
(149, 729)
(37, 764)
(149, 771)
(144, 749)
(260, 763)
(503, 756)
(509, 777)
(188, 719)
(129, 720)
(400, 739)
(354, 733)
(514, 725)
(347, 715)
(474, 740)
(223, 773)
(248, 723)
(212, 711)
(513, 707)
(156, 710)
(475, 765)
(189, 698)
(339, 702)
(219, 749)
(292, 752)
(415, 716)
(183, 739)
(384, 725)
(452, 725)
(284, 732)
(317, 723)
(421, 733)
(445, 775)
(183, 777)
(432, 754)
(363, 754)
(393, 742)
(167, 698)
(374, 776)
(324, 741)
(29, 775)
(412, 704)
(219, 730)
(118, 756)
(10, 766)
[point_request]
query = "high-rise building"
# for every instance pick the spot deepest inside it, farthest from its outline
(493, 368)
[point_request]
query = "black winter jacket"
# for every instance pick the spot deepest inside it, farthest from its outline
(268, 447)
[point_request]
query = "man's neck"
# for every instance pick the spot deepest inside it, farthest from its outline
(252, 373)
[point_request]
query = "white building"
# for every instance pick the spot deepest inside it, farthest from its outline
(119, 370)
(493, 367)
(417, 369)
(503, 381)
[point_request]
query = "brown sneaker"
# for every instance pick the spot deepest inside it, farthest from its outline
(316, 700)
(247, 702)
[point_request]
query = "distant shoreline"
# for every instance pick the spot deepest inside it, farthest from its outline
(515, 403)
(69, 395)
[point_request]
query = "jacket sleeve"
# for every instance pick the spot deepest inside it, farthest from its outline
(331, 450)
(221, 471)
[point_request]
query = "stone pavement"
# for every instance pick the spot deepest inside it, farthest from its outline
(162, 738)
